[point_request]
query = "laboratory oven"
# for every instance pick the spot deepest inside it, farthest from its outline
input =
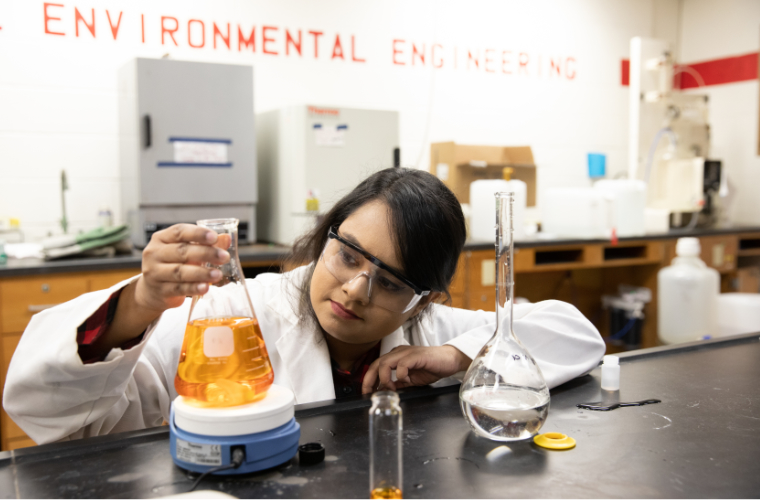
(187, 145)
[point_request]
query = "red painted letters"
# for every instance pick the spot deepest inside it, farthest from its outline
(439, 64)
(473, 59)
(114, 29)
(265, 40)
(353, 51)
(523, 59)
(78, 17)
(225, 39)
(48, 18)
(516, 64)
(190, 33)
(165, 30)
(396, 52)
(505, 62)
(248, 42)
(289, 40)
(488, 61)
(418, 53)
(316, 35)
(570, 70)
(337, 49)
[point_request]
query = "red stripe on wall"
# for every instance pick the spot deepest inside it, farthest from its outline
(625, 72)
(715, 72)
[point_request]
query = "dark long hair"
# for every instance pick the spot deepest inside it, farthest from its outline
(427, 219)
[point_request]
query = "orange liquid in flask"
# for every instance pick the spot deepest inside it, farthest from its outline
(223, 362)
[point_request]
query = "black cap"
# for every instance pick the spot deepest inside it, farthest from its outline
(311, 453)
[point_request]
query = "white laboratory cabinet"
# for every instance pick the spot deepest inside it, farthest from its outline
(310, 156)
(186, 145)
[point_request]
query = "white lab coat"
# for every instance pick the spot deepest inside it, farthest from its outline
(53, 396)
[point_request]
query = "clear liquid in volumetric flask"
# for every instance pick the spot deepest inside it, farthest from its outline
(505, 414)
(223, 362)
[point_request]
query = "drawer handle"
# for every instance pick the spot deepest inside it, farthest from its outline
(41, 307)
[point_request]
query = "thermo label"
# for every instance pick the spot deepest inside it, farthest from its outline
(218, 341)
(201, 454)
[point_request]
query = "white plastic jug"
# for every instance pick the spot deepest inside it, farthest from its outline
(630, 199)
(483, 207)
(738, 313)
(687, 302)
(576, 212)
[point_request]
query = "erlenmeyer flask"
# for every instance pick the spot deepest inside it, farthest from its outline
(504, 396)
(224, 361)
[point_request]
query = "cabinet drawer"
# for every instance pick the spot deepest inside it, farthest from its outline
(15, 444)
(101, 281)
(7, 347)
(21, 298)
(458, 282)
(483, 299)
(482, 281)
(719, 252)
(9, 428)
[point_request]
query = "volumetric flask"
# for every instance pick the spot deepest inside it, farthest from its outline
(224, 361)
(504, 396)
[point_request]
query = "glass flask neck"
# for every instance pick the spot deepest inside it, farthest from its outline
(227, 229)
(504, 264)
(232, 271)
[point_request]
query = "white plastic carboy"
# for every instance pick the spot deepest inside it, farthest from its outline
(687, 296)
(229, 418)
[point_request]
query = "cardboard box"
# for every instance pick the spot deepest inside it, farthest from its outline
(747, 280)
(457, 165)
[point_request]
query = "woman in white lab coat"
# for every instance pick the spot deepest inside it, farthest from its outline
(379, 262)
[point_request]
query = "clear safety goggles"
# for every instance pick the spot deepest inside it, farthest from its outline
(385, 287)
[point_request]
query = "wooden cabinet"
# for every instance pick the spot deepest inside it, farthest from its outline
(481, 280)
(458, 286)
(20, 299)
(101, 281)
(10, 431)
(582, 274)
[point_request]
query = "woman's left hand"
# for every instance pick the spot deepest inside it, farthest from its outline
(414, 365)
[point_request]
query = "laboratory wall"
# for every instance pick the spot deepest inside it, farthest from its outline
(543, 73)
(713, 30)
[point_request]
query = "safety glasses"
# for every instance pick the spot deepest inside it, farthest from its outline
(385, 287)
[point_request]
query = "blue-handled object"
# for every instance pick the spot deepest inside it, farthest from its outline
(597, 164)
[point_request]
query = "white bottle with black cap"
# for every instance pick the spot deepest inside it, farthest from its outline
(687, 296)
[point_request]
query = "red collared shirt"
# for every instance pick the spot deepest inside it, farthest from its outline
(95, 326)
(349, 383)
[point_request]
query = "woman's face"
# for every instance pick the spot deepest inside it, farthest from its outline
(343, 309)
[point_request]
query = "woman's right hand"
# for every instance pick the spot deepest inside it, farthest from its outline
(172, 265)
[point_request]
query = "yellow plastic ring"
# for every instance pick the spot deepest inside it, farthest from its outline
(554, 441)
